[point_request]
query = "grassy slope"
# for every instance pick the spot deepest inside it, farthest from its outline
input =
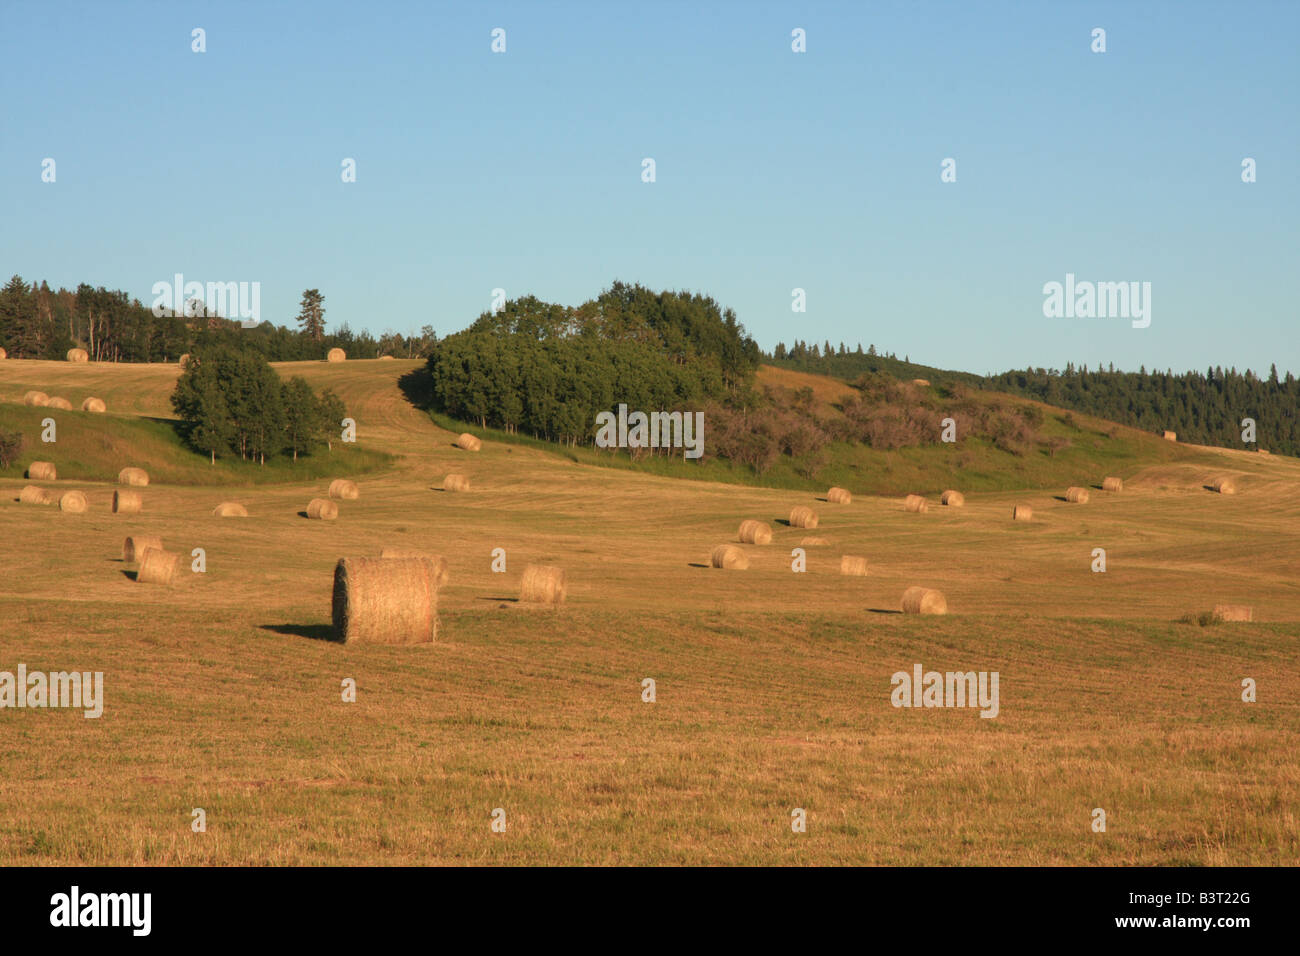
(773, 688)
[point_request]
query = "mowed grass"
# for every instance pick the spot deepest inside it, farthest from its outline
(773, 688)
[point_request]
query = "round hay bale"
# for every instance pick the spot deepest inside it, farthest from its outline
(42, 471)
(134, 546)
(1234, 612)
(157, 566)
(455, 483)
(127, 502)
(920, 381)
(39, 399)
(924, 601)
(32, 495)
(441, 572)
(73, 502)
(184, 361)
(78, 355)
(1022, 513)
(953, 499)
(230, 509)
(1170, 436)
(3, 355)
(385, 601)
(543, 585)
(853, 564)
(136, 477)
(1076, 495)
(915, 504)
(839, 496)
(336, 355)
(323, 509)
(93, 404)
(59, 402)
(1262, 451)
(344, 489)
(730, 557)
(386, 358)
(755, 532)
(813, 543)
(1224, 486)
(468, 442)
(801, 516)
(1112, 484)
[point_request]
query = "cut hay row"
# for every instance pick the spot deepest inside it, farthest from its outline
(755, 532)
(78, 355)
(73, 502)
(157, 566)
(814, 542)
(230, 509)
(801, 516)
(1022, 513)
(441, 572)
(915, 504)
(42, 471)
(455, 483)
(729, 557)
(839, 496)
(953, 499)
(1224, 486)
(853, 564)
(37, 399)
(1234, 612)
(1112, 484)
(344, 489)
(127, 502)
(385, 601)
(468, 442)
(93, 404)
(336, 355)
(917, 600)
(1076, 495)
(134, 546)
(543, 585)
(135, 477)
(32, 495)
(322, 509)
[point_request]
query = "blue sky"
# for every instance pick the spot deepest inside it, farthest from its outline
(775, 170)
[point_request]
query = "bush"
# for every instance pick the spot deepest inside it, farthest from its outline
(11, 446)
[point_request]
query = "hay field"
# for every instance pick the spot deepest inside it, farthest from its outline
(773, 688)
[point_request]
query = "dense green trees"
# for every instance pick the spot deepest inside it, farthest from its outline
(233, 402)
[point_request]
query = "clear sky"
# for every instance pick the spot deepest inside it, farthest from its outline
(774, 169)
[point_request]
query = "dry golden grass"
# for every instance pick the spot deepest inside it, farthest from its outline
(223, 689)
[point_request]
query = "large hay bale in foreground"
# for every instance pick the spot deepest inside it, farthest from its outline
(813, 543)
(730, 557)
(1076, 495)
(38, 399)
(135, 477)
(543, 585)
(1234, 612)
(157, 566)
(1224, 486)
(916, 504)
(953, 499)
(32, 495)
(455, 483)
(755, 532)
(336, 355)
(78, 355)
(1022, 513)
(918, 600)
(853, 564)
(323, 509)
(342, 488)
(59, 402)
(1170, 436)
(442, 574)
(839, 496)
(42, 471)
(127, 502)
(230, 509)
(1112, 484)
(134, 546)
(93, 404)
(73, 502)
(801, 516)
(385, 601)
(468, 442)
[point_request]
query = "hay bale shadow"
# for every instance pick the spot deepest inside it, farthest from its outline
(784, 521)
(1061, 498)
(882, 610)
(1208, 487)
(696, 564)
(313, 632)
(303, 514)
(131, 575)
